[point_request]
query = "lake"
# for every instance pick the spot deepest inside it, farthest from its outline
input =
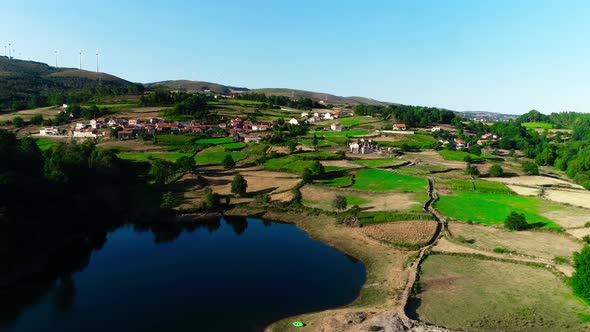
(223, 275)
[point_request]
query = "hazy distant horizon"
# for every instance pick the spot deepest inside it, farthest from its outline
(502, 56)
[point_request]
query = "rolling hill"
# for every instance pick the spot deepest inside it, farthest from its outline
(22, 80)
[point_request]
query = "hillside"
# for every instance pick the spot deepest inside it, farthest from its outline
(22, 80)
(200, 86)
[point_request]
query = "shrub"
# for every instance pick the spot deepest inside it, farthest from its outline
(500, 250)
(239, 185)
(586, 239)
(516, 221)
(471, 170)
(18, 122)
(530, 168)
(462, 239)
(339, 203)
(580, 281)
(228, 162)
(587, 224)
(496, 170)
(210, 199)
(560, 260)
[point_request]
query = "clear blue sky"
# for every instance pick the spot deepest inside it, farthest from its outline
(501, 56)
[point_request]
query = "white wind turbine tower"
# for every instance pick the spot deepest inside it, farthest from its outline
(55, 52)
(97, 72)
(80, 52)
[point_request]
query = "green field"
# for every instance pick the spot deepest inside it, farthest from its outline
(415, 142)
(346, 133)
(44, 144)
(288, 164)
(459, 155)
(481, 186)
(215, 155)
(214, 141)
(171, 156)
(377, 162)
(321, 142)
(378, 180)
(340, 181)
(355, 121)
(234, 146)
(537, 125)
(492, 209)
(470, 294)
(379, 217)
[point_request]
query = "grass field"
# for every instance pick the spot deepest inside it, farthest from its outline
(171, 156)
(379, 217)
(214, 141)
(234, 146)
(482, 295)
(346, 133)
(537, 125)
(44, 144)
(491, 209)
(355, 121)
(287, 164)
(377, 162)
(378, 180)
(321, 142)
(416, 142)
(340, 180)
(481, 186)
(459, 155)
(215, 155)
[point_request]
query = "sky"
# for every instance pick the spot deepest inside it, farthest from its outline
(499, 56)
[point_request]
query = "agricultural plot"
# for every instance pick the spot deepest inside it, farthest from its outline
(321, 197)
(135, 156)
(298, 162)
(214, 141)
(410, 234)
(320, 142)
(543, 245)
(380, 217)
(458, 155)
(388, 162)
(215, 155)
(340, 180)
(481, 186)
(44, 144)
(413, 142)
(536, 125)
(234, 146)
(346, 133)
(492, 209)
(378, 180)
(483, 295)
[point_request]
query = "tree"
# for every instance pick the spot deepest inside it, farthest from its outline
(317, 169)
(516, 221)
(307, 176)
(314, 141)
(339, 203)
(530, 168)
(210, 199)
(185, 164)
(162, 170)
(239, 185)
(292, 146)
(37, 119)
(581, 279)
(475, 149)
(496, 170)
(471, 170)
(18, 122)
(228, 162)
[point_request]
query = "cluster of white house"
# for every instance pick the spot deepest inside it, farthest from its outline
(459, 143)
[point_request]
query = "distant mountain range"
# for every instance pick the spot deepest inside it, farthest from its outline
(21, 80)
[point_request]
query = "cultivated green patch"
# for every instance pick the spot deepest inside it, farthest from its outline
(215, 154)
(378, 162)
(346, 133)
(537, 125)
(459, 155)
(492, 209)
(214, 141)
(44, 144)
(171, 156)
(378, 180)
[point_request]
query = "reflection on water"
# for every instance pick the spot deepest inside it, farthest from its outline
(175, 276)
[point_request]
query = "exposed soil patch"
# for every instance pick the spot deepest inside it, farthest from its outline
(412, 232)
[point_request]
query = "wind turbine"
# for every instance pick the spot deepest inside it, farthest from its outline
(55, 58)
(97, 72)
(9, 50)
(5, 51)
(80, 52)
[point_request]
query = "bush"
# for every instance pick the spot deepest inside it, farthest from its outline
(228, 162)
(496, 170)
(500, 250)
(580, 281)
(471, 170)
(239, 185)
(462, 239)
(18, 122)
(530, 168)
(516, 221)
(210, 199)
(339, 203)
(586, 239)
(560, 260)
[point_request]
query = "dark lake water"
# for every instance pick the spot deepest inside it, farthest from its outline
(221, 276)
